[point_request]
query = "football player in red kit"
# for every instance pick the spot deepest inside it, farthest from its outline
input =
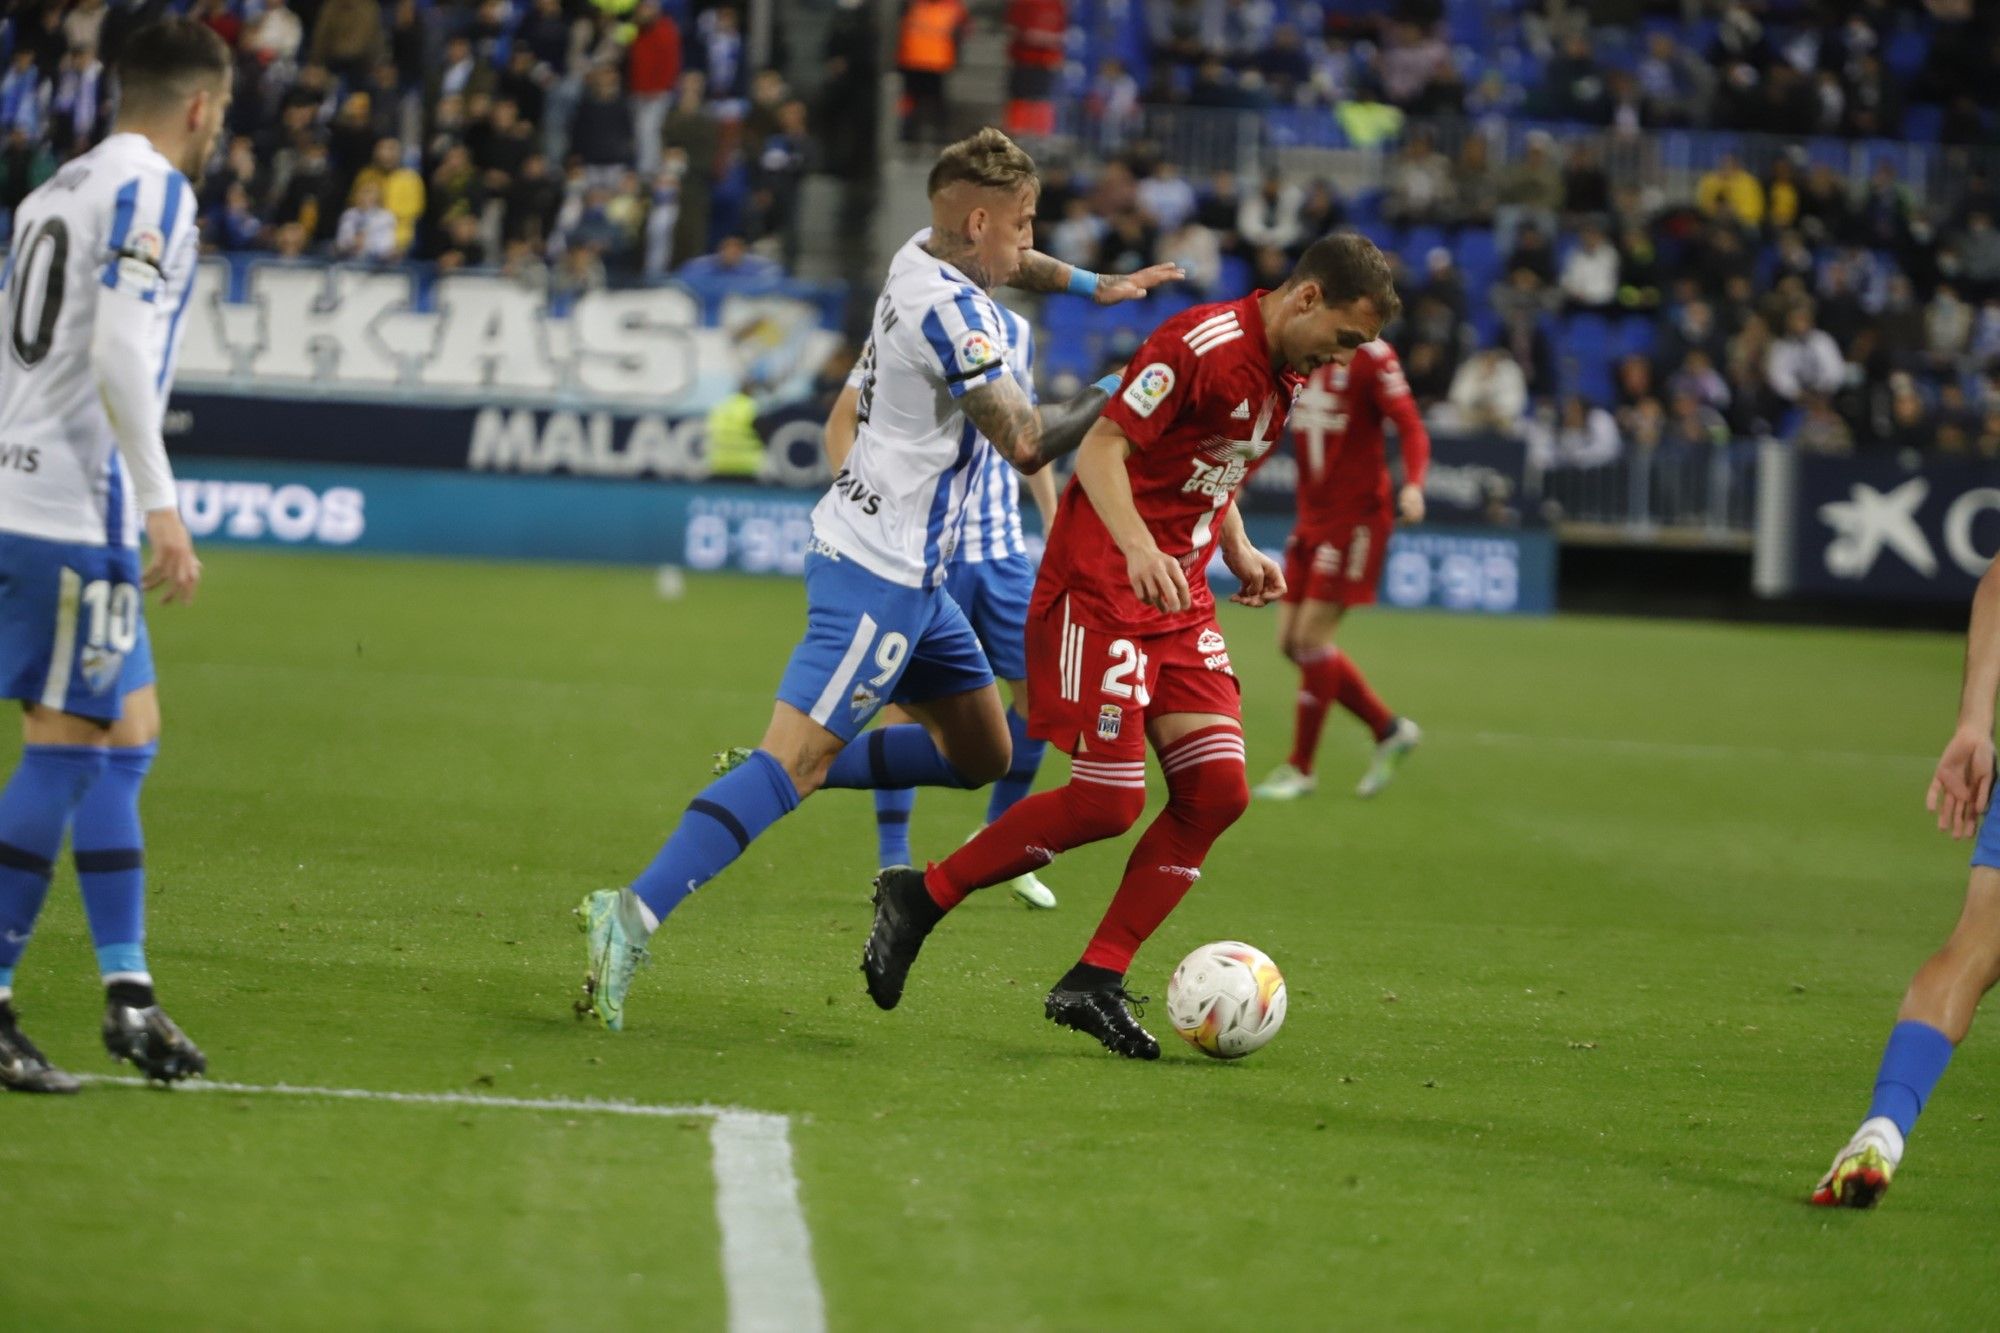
(1334, 557)
(1123, 647)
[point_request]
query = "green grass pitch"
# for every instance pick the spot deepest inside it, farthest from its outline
(1579, 1009)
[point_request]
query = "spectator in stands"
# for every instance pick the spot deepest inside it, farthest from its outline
(236, 226)
(1432, 343)
(734, 264)
(1947, 328)
(1474, 187)
(1268, 266)
(1320, 213)
(1590, 274)
(1824, 212)
(1166, 197)
(367, 230)
(1884, 215)
(718, 51)
(1036, 34)
(1730, 193)
(1195, 248)
(579, 272)
(1183, 32)
(1533, 252)
(1078, 235)
(1489, 394)
(1113, 101)
(1692, 424)
(1573, 86)
(77, 100)
(1673, 83)
(692, 132)
(1638, 270)
(1581, 436)
(274, 35)
(1820, 429)
(1978, 249)
(1127, 246)
(652, 68)
(1270, 217)
(1586, 185)
(311, 195)
(24, 97)
(1984, 351)
(1411, 57)
(348, 38)
(601, 133)
(1530, 191)
(927, 53)
(531, 203)
(1698, 376)
(1805, 360)
(663, 215)
(1420, 183)
(1444, 281)
(777, 179)
(1910, 423)
(1287, 68)
(396, 186)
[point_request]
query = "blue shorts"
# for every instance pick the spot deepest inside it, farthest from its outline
(72, 626)
(994, 595)
(870, 642)
(1986, 851)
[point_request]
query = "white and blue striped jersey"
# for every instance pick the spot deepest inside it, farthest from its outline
(121, 217)
(992, 528)
(897, 507)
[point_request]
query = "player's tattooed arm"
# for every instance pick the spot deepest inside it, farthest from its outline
(1029, 437)
(1045, 273)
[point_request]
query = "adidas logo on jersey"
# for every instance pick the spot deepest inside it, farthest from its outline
(1242, 412)
(1213, 332)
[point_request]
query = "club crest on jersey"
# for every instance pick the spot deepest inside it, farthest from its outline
(976, 350)
(1210, 642)
(1149, 388)
(101, 667)
(1110, 721)
(863, 701)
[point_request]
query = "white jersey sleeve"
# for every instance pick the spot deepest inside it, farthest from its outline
(110, 237)
(897, 507)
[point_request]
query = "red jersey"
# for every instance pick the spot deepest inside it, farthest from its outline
(1202, 407)
(1337, 436)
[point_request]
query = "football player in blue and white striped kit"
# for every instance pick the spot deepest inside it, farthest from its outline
(991, 578)
(880, 626)
(97, 281)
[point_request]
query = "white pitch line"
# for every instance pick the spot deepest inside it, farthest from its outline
(767, 1264)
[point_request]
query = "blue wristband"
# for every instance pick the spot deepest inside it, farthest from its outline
(1109, 384)
(1082, 283)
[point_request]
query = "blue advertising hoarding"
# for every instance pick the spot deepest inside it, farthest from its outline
(709, 526)
(1889, 529)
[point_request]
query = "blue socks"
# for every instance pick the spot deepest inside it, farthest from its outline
(898, 756)
(109, 850)
(893, 805)
(34, 809)
(727, 817)
(1020, 779)
(892, 824)
(1912, 1064)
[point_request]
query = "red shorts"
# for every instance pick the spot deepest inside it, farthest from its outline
(1340, 562)
(1094, 689)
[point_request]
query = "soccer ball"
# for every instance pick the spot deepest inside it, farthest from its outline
(1227, 999)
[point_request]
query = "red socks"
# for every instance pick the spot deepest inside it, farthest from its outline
(1331, 677)
(1102, 800)
(1206, 793)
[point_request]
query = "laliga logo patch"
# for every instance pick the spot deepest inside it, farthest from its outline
(101, 667)
(146, 244)
(976, 350)
(1149, 388)
(1110, 720)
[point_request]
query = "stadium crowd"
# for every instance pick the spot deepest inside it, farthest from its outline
(570, 144)
(1551, 286)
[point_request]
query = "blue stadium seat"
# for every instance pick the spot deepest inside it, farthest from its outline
(1478, 257)
(1906, 52)
(1923, 122)
(1419, 242)
(1638, 336)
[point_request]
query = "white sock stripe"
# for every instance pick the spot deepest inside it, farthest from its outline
(1134, 784)
(1110, 770)
(1112, 774)
(1206, 752)
(1232, 739)
(1200, 759)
